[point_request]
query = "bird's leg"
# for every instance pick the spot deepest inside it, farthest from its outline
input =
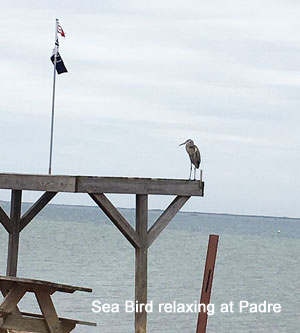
(194, 173)
(190, 172)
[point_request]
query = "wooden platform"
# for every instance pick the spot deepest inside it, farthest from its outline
(139, 236)
(93, 184)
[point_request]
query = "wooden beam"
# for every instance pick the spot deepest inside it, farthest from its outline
(93, 184)
(141, 263)
(24, 325)
(16, 324)
(139, 186)
(48, 311)
(5, 220)
(12, 298)
(30, 284)
(165, 218)
(117, 218)
(50, 183)
(16, 312)
(28, 324)
(13, 241)
(74, 321)
(207, 281)
(36, 208)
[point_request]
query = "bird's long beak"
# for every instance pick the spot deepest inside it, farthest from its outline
(183, 143)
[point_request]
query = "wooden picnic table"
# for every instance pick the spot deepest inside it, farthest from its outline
(11, 318)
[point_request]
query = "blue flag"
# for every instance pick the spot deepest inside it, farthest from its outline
(60, 66)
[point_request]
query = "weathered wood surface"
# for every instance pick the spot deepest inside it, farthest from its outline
(14, 235)
(5, 220)
(33, 325)
(139, 186)
(207, 280)
(81, 322)
(12, 298)
(30, 284)
(140, 238)
(37, 182)
(11, 318)
(93, 184)
(48, 311)
(27, 321)
(141, 262)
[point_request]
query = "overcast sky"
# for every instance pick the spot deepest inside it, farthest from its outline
(145, 76)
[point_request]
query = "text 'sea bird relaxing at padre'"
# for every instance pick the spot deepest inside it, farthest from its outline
(194, 154)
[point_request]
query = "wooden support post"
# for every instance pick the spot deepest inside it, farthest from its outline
(207, 281)
(141, 254)
(14, 235)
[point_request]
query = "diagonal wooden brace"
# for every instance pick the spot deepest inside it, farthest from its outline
(48, 311)
(5, 220)
(12, 298)
(117, 218)
(36, 208)
(165, 218)
(29, 215)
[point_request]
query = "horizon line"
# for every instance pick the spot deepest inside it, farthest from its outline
(160, 209)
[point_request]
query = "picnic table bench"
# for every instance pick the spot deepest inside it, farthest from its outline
(11, 318)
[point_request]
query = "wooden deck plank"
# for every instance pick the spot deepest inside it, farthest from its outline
(75, 321)
(93, 184)
(37, 325)
(25, 324)
(30, 284)
(33, 182)
(86, 184)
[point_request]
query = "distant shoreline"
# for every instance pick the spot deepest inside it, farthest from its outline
(180, 212)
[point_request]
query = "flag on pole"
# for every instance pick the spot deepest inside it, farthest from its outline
(58, 62)
(56, 58)
(60, 31)
(58, 67)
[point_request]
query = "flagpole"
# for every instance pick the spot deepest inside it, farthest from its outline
(53, 99)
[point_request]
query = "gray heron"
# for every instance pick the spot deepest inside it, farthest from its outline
(194, 154)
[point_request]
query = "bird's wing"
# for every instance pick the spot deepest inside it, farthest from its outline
(197, 157)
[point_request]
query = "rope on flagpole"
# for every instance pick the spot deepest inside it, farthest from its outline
(53, 97)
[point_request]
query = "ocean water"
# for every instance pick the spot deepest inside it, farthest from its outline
(80, 246)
